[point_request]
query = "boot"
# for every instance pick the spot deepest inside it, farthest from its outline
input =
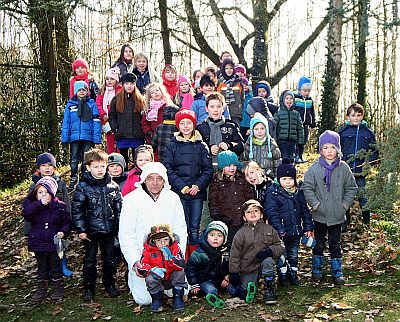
(41, 292)
(64, 265)
(337, 273)
(58, 289)
(366, 217)
(156, 302)
(317, 267)
(282, 273)
(112, 291)
(178, 303)
(269, 291)
(88, 294)
(293, 278)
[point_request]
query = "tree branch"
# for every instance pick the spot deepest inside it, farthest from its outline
(173, 34)
(247, 17)
(275, 9)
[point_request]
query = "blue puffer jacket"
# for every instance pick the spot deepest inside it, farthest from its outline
(355, 138)
(188, 163)
(74, 129)
(288, 212)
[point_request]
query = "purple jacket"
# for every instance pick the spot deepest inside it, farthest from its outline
(46, 220)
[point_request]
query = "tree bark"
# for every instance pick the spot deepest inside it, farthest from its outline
(165, 31)
(361, 68)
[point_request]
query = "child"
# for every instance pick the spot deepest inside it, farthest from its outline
(126, 115)
(261, 147)
(304, 105)
(219, 133)
(329, 188)
(189, 171)
(185, 95)
(96, 206)
(169, 76)
(224, 55)
(199, 105)
(197, 75)
(245, 122)
(142, 72)
(125, 59)
(359, 147)
(289, 128)
(156, 100)
(259, 105)
(263, 90)
(231, 88)
(80, 69)
(259, 182)
(143, 155)
(207, 268)
(228, 184)
(115, 167)
(163, 264)
(210, 71)
(49, 218)
(165, 131)
(81, 128)
(103, 101)
(255, 249)
(288, 213)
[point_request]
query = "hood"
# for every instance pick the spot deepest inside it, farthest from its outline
(154, 167)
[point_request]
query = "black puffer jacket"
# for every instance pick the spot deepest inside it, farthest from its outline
(96, 205)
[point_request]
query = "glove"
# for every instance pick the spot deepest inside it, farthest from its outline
(167, 253)
(234, 279)
(263, 254)
(158, 273)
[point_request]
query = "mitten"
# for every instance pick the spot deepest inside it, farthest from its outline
(308, 241)
(167, 253)
(234, 279)
(264, 253)
(157, 273)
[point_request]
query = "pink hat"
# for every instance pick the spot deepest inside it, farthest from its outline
(113, 73)
(80, 62)
(240, 68)
(183, 79)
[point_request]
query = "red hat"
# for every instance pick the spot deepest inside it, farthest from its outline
(185, 114)
(80, 62)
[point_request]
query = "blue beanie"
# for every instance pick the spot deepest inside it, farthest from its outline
(304, 83)
(226, 158)
(259, 118)
(80, 85)
(265, 85)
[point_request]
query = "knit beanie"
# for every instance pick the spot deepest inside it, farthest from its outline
(45, 158)
(206, 79)
(286, 169)
(113, 73)
(185, 114)
(252, 203)
(240, 68)
(256, 104)
(330, 137)
(80, 85)
(183, 79)
(259, 118)
(116, 158)
(80, 62)
(128, 78)
(265, 85)
(49, 183)
(226, 158)
(154, 168)
(304, 83)
(161, 231)
(219, 226)
(169, 112)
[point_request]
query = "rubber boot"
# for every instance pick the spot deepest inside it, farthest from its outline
(317, 267)
(293, 278)
(178, 303)
(337, 273)
(58, 289)
(64, 265)
(366, 217)
(156, 302)
(41, 292)
(269, 291)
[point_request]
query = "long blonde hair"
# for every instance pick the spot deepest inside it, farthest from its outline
(166, 97)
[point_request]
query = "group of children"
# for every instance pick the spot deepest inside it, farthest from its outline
(260, 215)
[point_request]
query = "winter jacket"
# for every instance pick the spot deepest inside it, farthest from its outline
(233, 94)
(288, 212)
(305, 107)
(188, 163)
(353, 139)
(153, 257)
(143, 79)
(126, 125)
(133, 177)
(124, 68)
(261, 105)
(260, 155)
(289, 125)
(47, 221)
(230, 135)
(96, 205)
(248, 241)
(74, 129)
(121, 180)
(329, 207)
(199, 107)
(150, 127)
(226, 197)
(99, 103)
(207, 264)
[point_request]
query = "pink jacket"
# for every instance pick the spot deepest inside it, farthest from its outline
(133, 177)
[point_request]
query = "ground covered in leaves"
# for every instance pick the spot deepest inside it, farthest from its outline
(371, 265)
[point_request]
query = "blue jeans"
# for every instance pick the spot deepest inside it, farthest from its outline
(193, 209)
(209, 287)
(287, 148)
(77, 149)
(292, 250)
(361, 196)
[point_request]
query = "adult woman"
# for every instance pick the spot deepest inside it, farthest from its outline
(125, 60)
(150, 204)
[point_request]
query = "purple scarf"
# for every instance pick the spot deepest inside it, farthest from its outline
(328, 170)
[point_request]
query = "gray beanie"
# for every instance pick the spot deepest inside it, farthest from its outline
(219, 226)
(116, 158)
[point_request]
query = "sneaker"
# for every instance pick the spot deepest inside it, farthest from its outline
(112, 291)
(88, 295)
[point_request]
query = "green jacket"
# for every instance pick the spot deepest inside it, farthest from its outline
(289, 125)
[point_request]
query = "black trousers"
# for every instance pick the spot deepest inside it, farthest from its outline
(334, 235)
(49, 265)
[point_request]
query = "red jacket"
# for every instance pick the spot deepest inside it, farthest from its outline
(133, 177)
(152, 257)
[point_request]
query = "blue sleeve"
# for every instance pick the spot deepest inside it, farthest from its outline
(96, 124)
(207, 169)
(226, 113)
(66, 125)
(308, 224)
(176, 182)
(272, 210)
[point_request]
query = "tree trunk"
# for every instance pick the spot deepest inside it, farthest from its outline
(162, 4)
(361, 68)
(260, 41)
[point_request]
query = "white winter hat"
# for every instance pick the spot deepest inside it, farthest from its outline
(154, 167)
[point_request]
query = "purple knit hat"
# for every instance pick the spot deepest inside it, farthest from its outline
(49, 183)
(330, 137)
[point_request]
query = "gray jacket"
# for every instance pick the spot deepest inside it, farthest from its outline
(329, 207)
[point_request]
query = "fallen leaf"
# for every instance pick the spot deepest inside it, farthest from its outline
(138, 309)
(107, 318)
(96, 316)
(57, 310)
(341, 306)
